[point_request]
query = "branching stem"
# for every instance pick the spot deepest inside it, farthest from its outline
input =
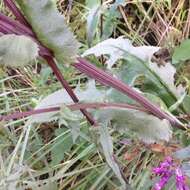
(106, 79)
(69, 90)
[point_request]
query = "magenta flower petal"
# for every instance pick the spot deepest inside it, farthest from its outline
(164, 167)
(163, 181)
(180, 180)
(167, 169)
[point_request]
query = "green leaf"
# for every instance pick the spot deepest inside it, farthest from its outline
(71, 120)
(107, 146)
(110, 23)
(186, 103)
(111, 18)
(92, 3)
(92, 21)
(75, 130)
(111, 47)
(156, 100)
(144, 180)
(50, 28)
(136, 63)
(148, 128)
(118, 97)
(61, 145)
(17, 51)
(181, 53)
(134, 69)
(178, 103)
(67, 114)
(109, 10)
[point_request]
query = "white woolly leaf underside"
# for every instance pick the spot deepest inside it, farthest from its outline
(51, 28)
(17, 51)
(147, 127)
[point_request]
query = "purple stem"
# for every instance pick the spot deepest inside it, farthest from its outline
(73, 107)
(18, 115)
(8, 29)
(69, 90)
(13, 8)
(106, 79)
(9, 26)
(16, 25)
(3, 30)
(83, 66)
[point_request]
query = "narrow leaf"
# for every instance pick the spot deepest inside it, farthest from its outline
(186, 103)
(106, 142)
(92, 22)
(61, 145)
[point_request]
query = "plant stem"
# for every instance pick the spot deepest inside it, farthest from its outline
(65, 84)
(13, 8)
(73, 107)
(11, 26)
(106, 79)
(18, 115)
(16, 25)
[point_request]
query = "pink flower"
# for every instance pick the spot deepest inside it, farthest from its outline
(163, 181)
(167, 169)
(180, 180)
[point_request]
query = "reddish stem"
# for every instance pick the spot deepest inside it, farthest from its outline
(106, 79)
(65, 84)
(9, 28)
(8, 24)
(18, 115)
(13, 8)
(73, 107)
(16, 25)
(83, 66)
